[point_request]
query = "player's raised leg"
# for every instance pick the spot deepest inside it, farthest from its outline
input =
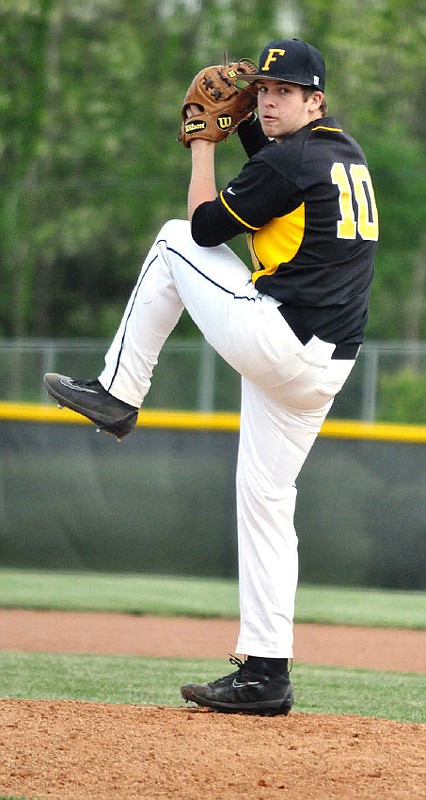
(215, 287)
(112, 401)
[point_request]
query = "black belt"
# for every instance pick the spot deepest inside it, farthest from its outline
(346, 352)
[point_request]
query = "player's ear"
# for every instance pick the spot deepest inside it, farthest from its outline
(316, 99)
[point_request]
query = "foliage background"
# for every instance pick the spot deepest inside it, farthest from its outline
(89, 112)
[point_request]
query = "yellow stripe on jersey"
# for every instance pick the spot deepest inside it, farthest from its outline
(228, 208)
(324, 128)
(277, 242)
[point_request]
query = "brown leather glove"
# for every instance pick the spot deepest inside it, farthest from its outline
(223, 104)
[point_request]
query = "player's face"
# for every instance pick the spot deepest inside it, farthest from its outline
(283, 108)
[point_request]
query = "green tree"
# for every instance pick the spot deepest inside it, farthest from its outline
(377, 76)
(89, 163)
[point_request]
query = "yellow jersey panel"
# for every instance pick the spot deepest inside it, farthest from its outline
(277, 242)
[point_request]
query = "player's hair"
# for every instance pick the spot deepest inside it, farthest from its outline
(308, 91)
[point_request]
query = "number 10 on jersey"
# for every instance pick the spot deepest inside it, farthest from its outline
(359, 216)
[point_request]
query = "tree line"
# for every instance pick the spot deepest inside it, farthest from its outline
(90, 100)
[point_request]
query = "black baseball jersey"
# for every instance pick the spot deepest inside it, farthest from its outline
(308, 207)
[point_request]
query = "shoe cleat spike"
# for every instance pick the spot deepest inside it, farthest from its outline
(59, 406)
(98, 430)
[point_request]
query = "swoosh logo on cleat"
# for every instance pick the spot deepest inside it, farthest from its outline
(71, 385)
(237, 685)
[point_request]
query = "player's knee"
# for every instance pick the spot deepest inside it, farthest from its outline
(175, 229)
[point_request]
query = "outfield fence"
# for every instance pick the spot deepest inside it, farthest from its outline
(162, 501)
(388, 382)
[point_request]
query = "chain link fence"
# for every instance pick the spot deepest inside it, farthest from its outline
(388, 382)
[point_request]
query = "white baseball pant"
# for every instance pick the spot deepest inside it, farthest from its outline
(287, 391)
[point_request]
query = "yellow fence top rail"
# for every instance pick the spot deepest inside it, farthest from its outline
(214, 421)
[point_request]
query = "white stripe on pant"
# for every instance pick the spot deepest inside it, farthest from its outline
(287, 391)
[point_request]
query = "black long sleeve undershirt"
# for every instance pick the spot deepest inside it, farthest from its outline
(251, 135)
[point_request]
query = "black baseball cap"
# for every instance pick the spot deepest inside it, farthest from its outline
(293, 61)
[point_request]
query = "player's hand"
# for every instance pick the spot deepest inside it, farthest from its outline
(192, 110)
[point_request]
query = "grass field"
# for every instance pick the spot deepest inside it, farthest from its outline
(150, 681)
(156, 681)
(202, 597)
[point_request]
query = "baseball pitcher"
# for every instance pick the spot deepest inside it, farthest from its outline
(291, 325)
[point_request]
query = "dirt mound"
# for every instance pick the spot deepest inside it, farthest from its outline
(95, 751)
(83, 751)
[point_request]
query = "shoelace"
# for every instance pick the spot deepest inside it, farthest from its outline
(243, 672)
(236, 662)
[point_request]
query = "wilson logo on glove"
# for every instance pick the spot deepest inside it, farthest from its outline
(224, 122)
(194, 126)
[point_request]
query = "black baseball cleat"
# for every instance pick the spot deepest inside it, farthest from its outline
(249, 690)
(90, 399)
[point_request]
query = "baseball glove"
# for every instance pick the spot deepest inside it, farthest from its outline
(223, 104)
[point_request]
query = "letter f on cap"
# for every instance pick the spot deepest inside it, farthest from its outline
(273, 52)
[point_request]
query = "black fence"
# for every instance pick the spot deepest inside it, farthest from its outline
(162, 502)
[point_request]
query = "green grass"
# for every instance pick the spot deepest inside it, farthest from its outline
(156, 681)
(202, 597)
(133, 594)
(376, 608)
